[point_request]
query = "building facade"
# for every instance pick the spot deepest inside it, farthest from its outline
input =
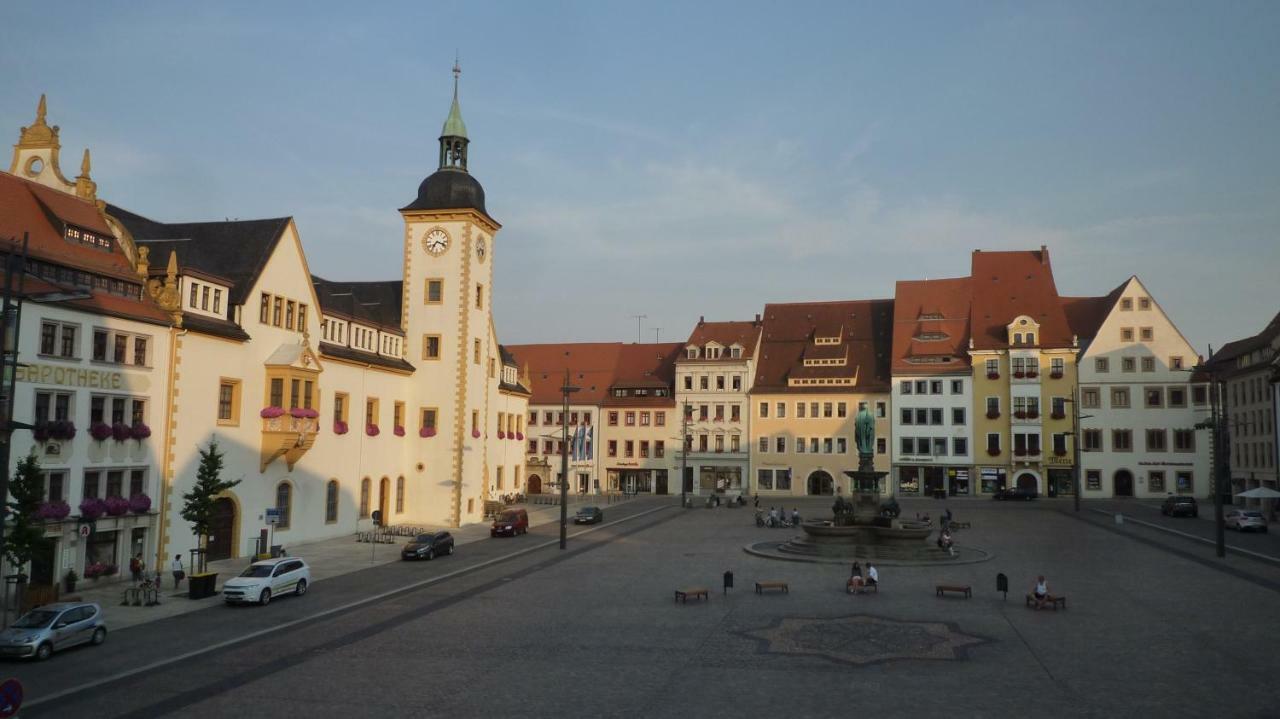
(1246, 370)
(1144, 409)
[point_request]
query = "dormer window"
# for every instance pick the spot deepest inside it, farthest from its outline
(1017, 338)
(735, 352)
(692, 352)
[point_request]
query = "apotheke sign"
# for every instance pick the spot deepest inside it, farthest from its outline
(78, 377)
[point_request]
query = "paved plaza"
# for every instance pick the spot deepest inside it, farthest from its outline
(1154, 624)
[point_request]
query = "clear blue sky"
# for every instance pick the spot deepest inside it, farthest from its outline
(688, 159)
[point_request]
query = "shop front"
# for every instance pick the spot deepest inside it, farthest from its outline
(992, 479)
(630, 481)
(719, 479)
(934, 481)
(1061, 482)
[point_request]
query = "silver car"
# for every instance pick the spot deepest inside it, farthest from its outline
(53, 627)
(266, 579)
(1246, 520)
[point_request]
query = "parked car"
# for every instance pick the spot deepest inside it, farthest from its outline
(428, 545)
(1245, 520)
(266, 579)
(510, 521)
(1175, 506)
(53, 627)
(589, 515)
(1011, 493)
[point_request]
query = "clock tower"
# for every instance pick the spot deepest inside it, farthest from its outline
(448, 260)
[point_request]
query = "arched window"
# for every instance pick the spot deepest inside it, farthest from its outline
(364, 498)
(399, 495)
(331, 501)
(284, 498)
(1031, 338)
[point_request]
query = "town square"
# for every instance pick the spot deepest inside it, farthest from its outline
(898, 360)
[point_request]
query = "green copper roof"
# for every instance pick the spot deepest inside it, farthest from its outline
(453, 125)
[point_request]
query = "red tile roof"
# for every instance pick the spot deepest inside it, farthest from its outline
(1086, 314)
(789, 329)
(931, 326)
(746, 334)
(1009, 284)
(595, 368)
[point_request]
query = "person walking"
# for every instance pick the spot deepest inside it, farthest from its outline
(135, 568)
(178, 572)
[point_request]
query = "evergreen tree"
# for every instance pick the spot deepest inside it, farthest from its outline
(197, 505)
(23, 536)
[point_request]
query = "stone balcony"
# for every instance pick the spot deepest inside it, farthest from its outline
(287, 436)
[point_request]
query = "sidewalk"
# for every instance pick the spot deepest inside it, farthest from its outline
(327, 558)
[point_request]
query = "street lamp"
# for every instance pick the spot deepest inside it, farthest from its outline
(566, 390)
(1075, 440)
(1216, 459)
(684, 453)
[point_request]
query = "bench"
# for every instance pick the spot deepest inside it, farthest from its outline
(965, 589)
(863, 589)
(960, 525)
(682, 595)
(772, 584)
(1051, 600)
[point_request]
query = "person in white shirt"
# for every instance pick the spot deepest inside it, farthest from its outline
(178, 572)
(1041, 592)
(873, 577)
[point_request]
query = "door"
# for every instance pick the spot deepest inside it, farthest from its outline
(1123, 483)
(221, 528)
(1026, 480)
(384, 496)
(688, 480)
(535, 484)
(820, 483)
(42, 564)
(660, 485)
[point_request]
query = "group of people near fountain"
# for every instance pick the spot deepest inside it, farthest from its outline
(856, 581)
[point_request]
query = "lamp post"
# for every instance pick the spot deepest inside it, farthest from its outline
(566, 390)
(1075, 440)
(1216, 455)
(684, 452)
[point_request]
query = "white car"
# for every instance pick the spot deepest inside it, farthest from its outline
(266, 579)
(1246, 520)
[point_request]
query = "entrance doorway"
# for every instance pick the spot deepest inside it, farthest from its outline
(820, 483)
(221, 528)
(384, 496)
(660, 482)
(535, 484)
(1123, 483)
(1027, 480)
(42, 563)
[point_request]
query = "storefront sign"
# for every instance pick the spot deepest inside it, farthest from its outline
(1167, 464)
(80, 377)
(1052, 459)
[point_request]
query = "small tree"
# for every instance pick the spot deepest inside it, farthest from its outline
(26, 490)
(197, 505)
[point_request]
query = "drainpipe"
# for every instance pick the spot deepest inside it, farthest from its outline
(166, 466)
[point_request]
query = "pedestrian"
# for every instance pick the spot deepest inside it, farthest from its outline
(757, 501)
(856, 571)
(854, 585)
(795, 517)
(873, 577)
(135, 568)
(1041, 591)
(179, 573)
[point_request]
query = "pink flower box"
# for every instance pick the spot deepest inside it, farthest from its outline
(398, 431)
(271, 412)
(340, 427)
(371, 430)
(426, 432)
(303, 413)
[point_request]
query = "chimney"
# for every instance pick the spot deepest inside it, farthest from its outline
(1044, 255)
(702, 319)
(757, 318)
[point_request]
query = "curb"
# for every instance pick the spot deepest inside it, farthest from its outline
(768, 550)
(1230, 549)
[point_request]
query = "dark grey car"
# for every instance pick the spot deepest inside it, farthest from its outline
(428, 546)
(53, 627)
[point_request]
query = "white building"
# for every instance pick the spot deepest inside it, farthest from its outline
(714, 373)
(1141, 401)
(1246, 369)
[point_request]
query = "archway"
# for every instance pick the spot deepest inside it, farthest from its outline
(222, 529)
(1027, 480)
(820, 483)
(1123, 480)
(535, 484)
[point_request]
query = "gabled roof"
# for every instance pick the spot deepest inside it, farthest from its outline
(1009, 284)
(235, 249)
(1085, 315)
(646, 366)
(1234, 349)
(376, 303)
(41, 213)
(931, 326)
(591, 368)
(726, 334)
(866, 329)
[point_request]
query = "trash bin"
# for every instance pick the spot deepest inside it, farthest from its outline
(728, 582)
(1002, 584)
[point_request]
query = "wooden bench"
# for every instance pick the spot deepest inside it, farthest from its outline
(960, 525)
(772, 584)
(863, 589)
(1051, 600)
(682, 595)
(965, 589)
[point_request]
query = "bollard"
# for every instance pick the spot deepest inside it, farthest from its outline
(728, 582)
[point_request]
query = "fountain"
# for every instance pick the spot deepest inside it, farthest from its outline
(857, 528)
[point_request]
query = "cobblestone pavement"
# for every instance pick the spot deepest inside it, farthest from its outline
(1152, 626)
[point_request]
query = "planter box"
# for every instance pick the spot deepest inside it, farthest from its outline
(201, 586)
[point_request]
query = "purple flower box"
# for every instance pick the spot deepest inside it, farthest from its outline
(140, 431)
(120, 432)
(340, 427)
(399, 431)
(502, 435)
(520, 436)
(116, 506)
(53, 510)
(62, 429)
(475, 434)
(271, 412)
(139, 504)
(426, 432)
(371, 430)
(303, 413)
(92, 508)
(100, 431)
(41, 431)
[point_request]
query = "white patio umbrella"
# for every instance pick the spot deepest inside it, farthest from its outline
(1260, 493)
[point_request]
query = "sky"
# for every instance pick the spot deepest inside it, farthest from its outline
(678, 160)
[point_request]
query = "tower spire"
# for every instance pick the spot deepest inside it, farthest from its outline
(453, 137)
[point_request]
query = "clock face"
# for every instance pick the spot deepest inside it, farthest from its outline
(480, 249)
(436, 241)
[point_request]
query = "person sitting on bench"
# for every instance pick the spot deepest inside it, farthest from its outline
(873, 577)
(1041, 592)
(855, 583)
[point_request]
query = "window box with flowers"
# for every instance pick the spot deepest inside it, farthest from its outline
(53, 511)
(398, 431)
(340, 427)
(372, 430)
(139, 503)
(1019, 375)
(426, 432)
(1058, 415)
(520, 436)
(1060, 452)
(116, 506)
(91, 508)
(59, 429)
(993, 414)
(993, 375)
(1020, 452)
(121, 432)
(1020, 414)
(1055, 375)
(271, 412)
(993, 451)
(1032, 374)
(101, 431)
(40, 430)
(1033, 414)
(502, 435)
(97, 570)
(140, 431)
(475, 434)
